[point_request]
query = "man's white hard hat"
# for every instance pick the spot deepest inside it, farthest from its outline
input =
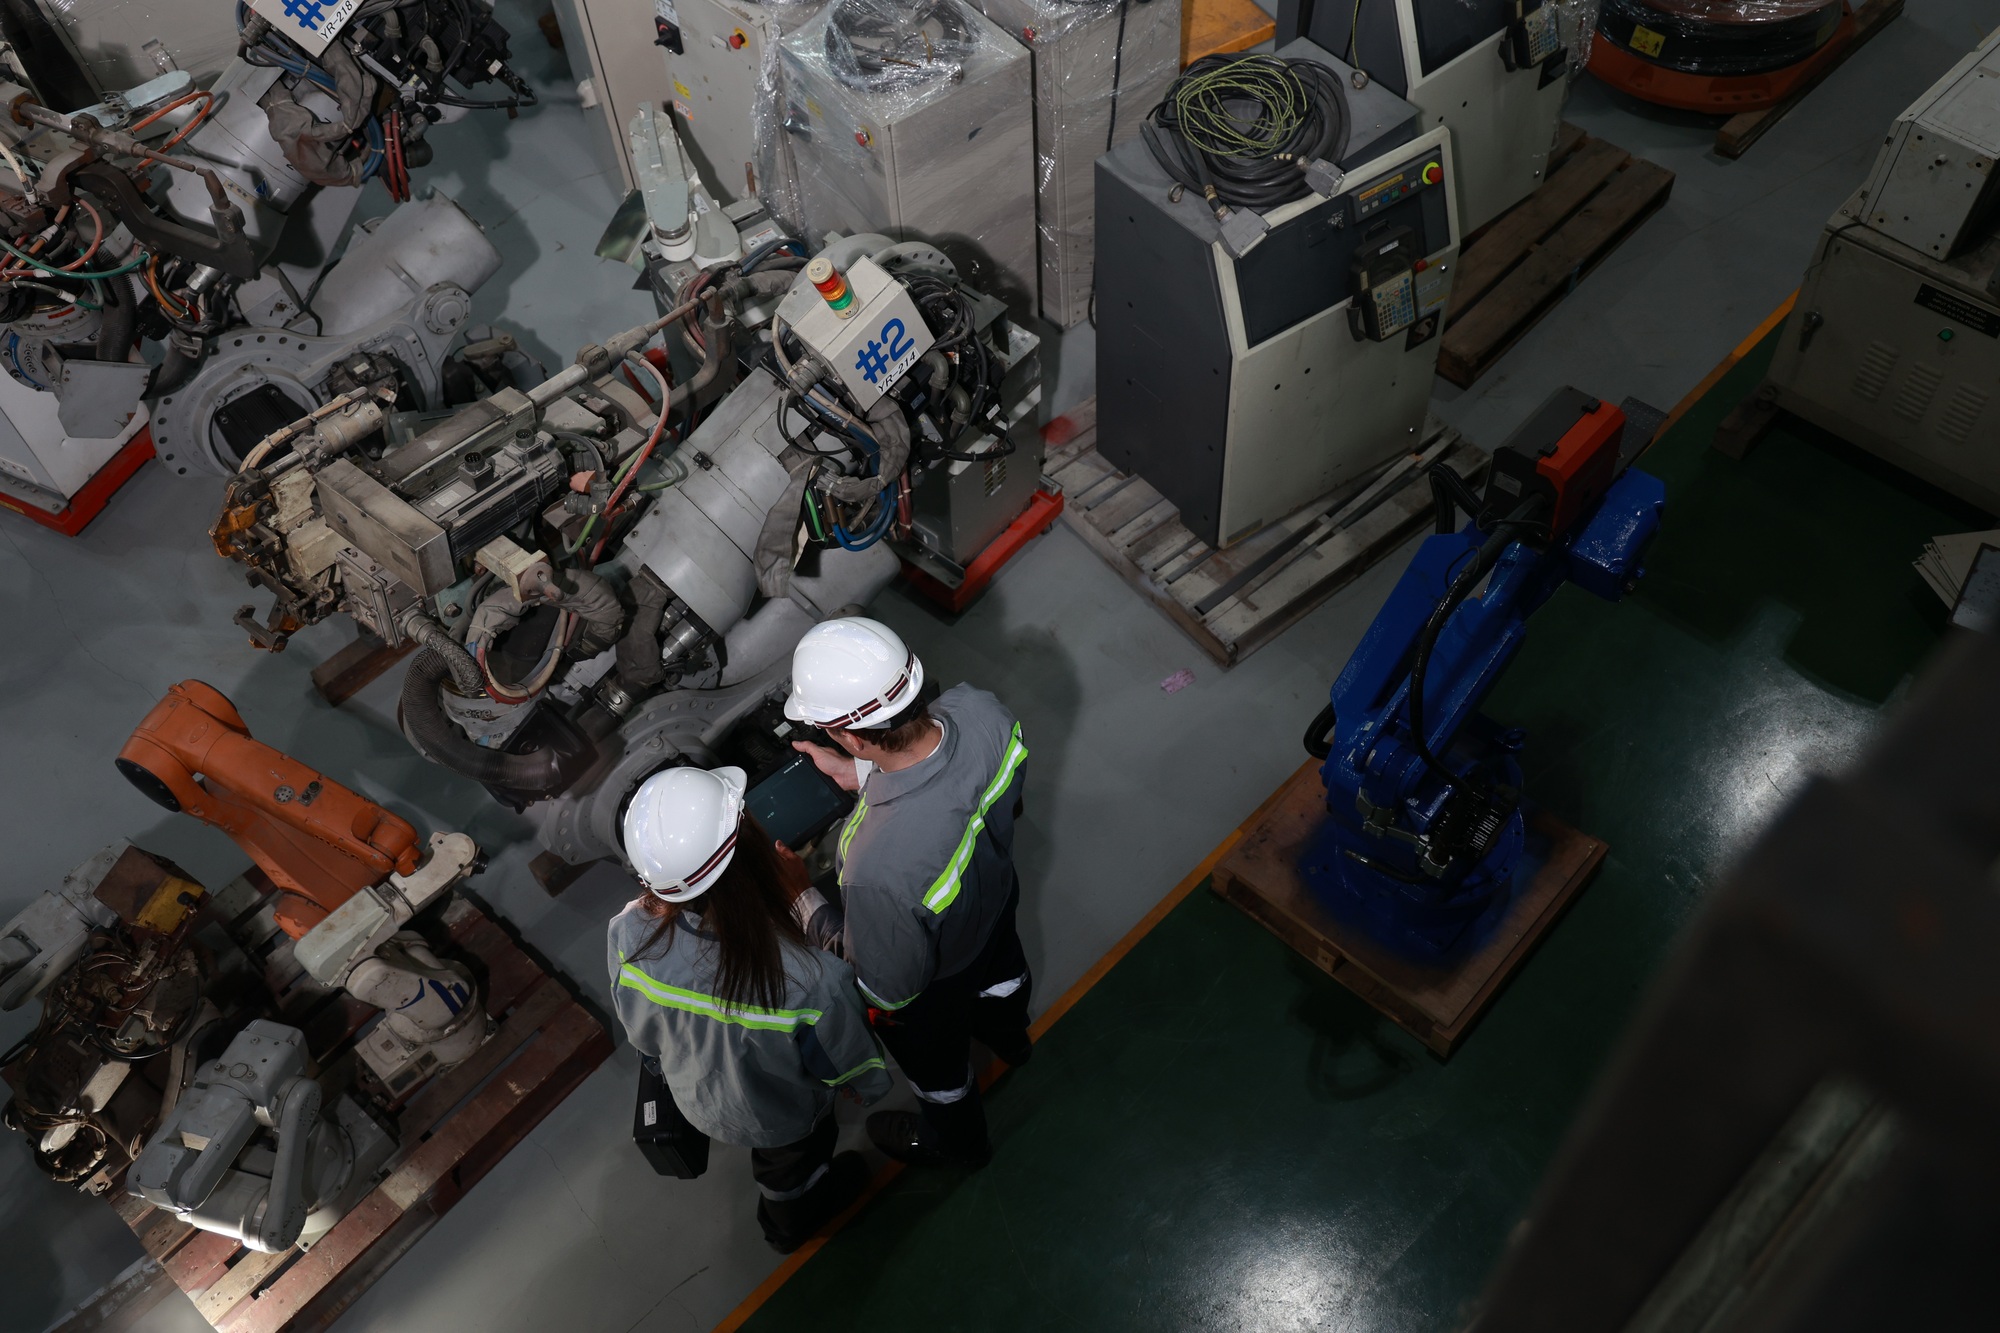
(680, 829)
(852, 673)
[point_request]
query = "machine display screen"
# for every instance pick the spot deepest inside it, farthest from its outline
(1447, 29)
(795, 803)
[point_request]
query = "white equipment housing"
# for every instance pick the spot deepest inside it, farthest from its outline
(1894, 343)
(943, 153)
(1446, 57)
(1099, 67)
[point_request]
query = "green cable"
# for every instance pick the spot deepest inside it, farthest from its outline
(812, 517)
(584, 536)
(33, 262)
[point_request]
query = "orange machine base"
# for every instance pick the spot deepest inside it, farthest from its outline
(1036, 519)
(89, 502)
(1699, 92)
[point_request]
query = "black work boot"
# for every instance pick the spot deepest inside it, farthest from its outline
(790, 1223)
(905, 1136)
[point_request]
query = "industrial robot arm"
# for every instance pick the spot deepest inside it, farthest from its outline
(351, 873)
(1424, 793)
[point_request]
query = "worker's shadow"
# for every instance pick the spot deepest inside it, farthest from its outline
(33, 1280)
(1354, 1054)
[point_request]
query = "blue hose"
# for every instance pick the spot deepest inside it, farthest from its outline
(876, 530)
(766, 250)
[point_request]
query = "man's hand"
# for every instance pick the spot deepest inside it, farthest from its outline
(792, 872)
(838, 766)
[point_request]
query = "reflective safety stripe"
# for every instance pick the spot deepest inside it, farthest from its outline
(1001, 990)
(872, 1063)
(946, 1098)
(853, 827)
(877, 1000)
(945, 888)
(694, 1002)
(786, 1196)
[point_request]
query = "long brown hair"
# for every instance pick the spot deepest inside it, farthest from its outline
(748, 914)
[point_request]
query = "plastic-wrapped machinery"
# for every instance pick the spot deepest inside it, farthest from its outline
(915, 120)
(1099, 66)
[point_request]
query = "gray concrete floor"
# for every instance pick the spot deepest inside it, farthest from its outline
(1130, 786)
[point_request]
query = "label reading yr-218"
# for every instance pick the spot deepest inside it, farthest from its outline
(887, 353)
(311, 23)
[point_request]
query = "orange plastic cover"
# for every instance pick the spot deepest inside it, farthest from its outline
(318, 841)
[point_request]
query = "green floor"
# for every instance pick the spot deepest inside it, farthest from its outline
(1218, 1136)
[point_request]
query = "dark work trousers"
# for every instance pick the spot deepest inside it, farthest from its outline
(931, 1036)
(786, 1174)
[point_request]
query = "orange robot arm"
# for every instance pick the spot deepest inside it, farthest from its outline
(319, 842)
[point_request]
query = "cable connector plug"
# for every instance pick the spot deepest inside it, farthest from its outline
(1241, 230)
(1323, 178)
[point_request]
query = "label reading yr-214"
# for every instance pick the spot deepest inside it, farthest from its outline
(882, 358)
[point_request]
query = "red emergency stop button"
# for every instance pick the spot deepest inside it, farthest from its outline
(737, 41)
(1433, 173)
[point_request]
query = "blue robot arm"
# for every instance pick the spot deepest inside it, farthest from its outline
(1422, 792)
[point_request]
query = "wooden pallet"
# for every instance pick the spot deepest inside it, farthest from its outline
(1216, 27)
(1437, 1006)
(451, 1131)
(1518, 266)
(1234, 601)
(1746, 127)
(355, 667)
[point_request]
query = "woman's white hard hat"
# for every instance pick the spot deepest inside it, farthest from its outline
(680, 829)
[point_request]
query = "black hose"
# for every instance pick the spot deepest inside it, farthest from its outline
(438, 739)
(1319, 733)
(119, 320)
(179, 364)
(639, 664)
(435, 638)
(1501, 537)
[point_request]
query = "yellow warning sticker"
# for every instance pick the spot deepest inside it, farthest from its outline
(1646, 41)
(682, 89)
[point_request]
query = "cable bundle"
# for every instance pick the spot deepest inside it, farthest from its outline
(1241, 128)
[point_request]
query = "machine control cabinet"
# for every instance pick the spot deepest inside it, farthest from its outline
(1491, 71)
(1243, 389)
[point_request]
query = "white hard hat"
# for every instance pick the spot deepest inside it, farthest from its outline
(852, 673)
(680, 830)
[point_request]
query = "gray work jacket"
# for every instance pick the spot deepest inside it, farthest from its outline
(927, 858)
(753, 1077)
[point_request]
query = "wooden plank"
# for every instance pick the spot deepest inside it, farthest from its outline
(1216, 27)
(355, 667)
(1746, 127)
(1516, 232)
(1082, 474)
(1061, 456)
(1134, 500)
(1518, 300)
(197, 1264)
(1437, 1005)
(1273, 604)
(240, 1283)
(1145, 525)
